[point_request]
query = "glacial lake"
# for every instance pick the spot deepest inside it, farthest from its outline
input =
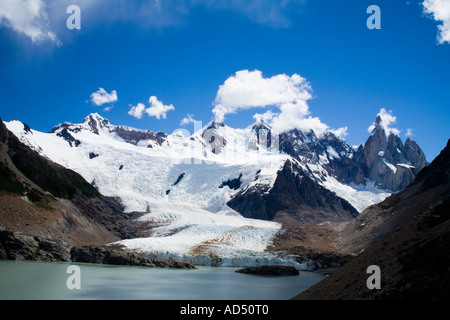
(24, 280)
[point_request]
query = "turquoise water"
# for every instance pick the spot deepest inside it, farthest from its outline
(47, 281)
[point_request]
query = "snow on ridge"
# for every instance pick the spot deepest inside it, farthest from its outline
(389, 165)
(360, 197)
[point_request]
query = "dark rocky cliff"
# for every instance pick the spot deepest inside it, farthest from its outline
(294, 193)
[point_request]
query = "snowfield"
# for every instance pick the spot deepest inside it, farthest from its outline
(178, 187)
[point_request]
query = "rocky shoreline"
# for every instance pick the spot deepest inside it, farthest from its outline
(21, 247)
(118, 256)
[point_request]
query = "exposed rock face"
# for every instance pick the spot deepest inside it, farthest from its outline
(117, 256)
(233, 184)
(17, 246)
(69, 138)
(389, 163)
(414, 155)
(295, 193)
(270, 270)
(134, 137)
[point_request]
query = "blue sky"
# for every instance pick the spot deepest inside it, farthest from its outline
(181, 52)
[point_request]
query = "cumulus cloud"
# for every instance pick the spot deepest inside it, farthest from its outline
(137, 111)
(249, 89)
(387, 119)
(157, 109)
(439, 10)
(187, 120)
(101, 97)
(27, 17)
(289, 94)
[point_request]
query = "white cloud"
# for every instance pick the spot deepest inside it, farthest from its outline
(297, 116)
(27, 17)
(187, 120)
(101, 97)
(341, 132)
(387, 119)
(266, 117)
(249, 89)
(137, 111)
(439, 10)
(157, 109)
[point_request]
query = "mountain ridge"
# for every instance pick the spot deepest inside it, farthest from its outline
(386, 160)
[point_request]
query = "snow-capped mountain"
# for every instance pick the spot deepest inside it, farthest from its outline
(215, 197)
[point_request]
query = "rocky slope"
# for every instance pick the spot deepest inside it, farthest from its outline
(407, 236)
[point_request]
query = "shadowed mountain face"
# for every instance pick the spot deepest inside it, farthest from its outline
(294, 193)
(407, 236)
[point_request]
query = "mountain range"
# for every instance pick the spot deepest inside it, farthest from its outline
(221, 195)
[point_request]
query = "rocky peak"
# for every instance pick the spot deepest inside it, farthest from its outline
(214, 125)
(378, 121)
(390, 163)
(96, 122)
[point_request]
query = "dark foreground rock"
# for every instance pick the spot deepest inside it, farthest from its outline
(118, 256)
(270, 270)
(18, 246)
